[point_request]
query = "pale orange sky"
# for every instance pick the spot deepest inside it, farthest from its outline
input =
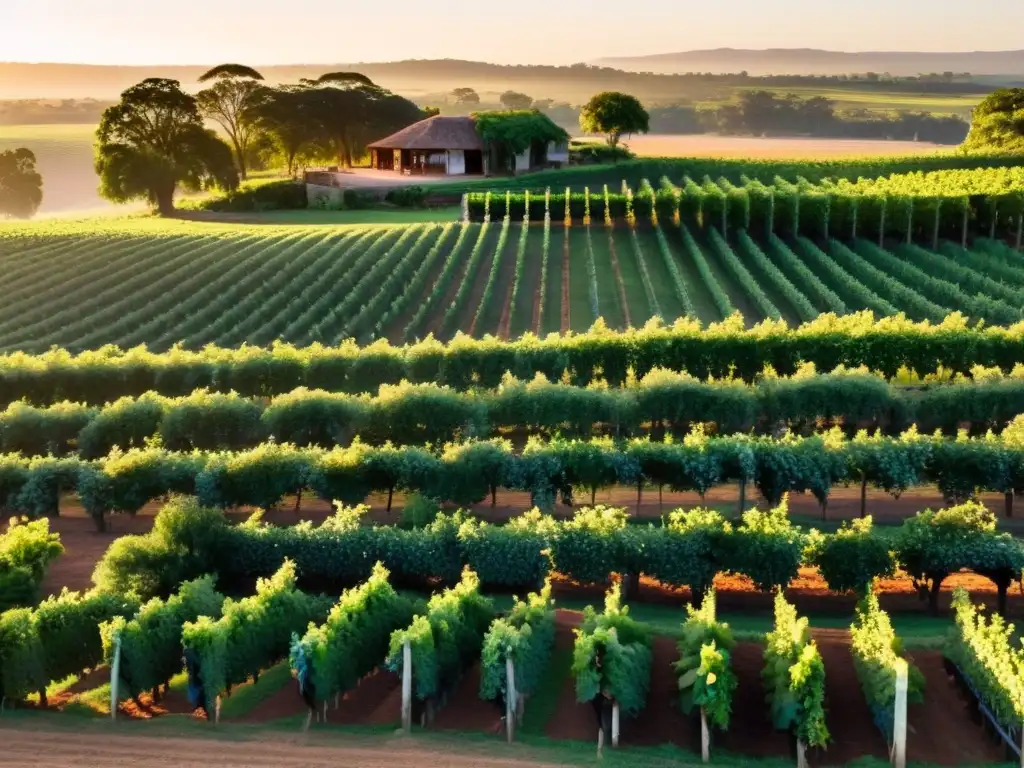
(525, 31)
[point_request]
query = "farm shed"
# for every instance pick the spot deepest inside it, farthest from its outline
(479, 144)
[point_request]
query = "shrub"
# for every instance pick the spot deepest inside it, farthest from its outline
(408, 197)
(26, 551)
(273, 196)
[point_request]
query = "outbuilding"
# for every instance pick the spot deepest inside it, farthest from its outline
(482, 143)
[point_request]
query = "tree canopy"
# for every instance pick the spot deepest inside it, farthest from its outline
(466, 96)
(516, 131)
(614, 114)
(21, 186)
(998, 122)
(516, 101)
(233, 102)
(152, 141)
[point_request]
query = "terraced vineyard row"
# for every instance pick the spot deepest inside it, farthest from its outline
(502, 278)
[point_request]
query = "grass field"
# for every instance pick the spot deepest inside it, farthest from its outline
(142, 280)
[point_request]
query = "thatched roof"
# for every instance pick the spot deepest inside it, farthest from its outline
(434, 133)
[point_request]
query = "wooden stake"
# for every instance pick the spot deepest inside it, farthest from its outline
(510, 698)
(615, 724)
(743, 496)
(115, 676)
(1020, 229)
(899, 729)
(935, 232)
(801, 755)
(407, 687)
(216, 711)
(992, 223)
(325, 711)
(705, 738)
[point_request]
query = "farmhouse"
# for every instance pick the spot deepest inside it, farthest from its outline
(483, 143)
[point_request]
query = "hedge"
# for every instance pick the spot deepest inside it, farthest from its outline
(58, 639)
(467, 473)
(662, 402)
(686, 550)
(720, 350)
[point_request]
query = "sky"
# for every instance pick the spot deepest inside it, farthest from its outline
(261, 32)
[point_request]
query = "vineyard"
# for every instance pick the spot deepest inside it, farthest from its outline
(925, 245)
(324, 418)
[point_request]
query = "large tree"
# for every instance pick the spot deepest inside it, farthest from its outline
(21, 186)
(466, 96)
(614, 114)
(288, 116)
(351, 111)
(232, 101)
(152, 141)
(515, 101)
(998, 122)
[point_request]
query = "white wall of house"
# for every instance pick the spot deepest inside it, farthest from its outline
(558, 153)
(456, 162)
(522, 162)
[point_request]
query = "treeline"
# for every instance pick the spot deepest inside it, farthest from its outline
(467, 473)
(51, 111)
(659, 404)
(721, 350)
(761, 112)
(687, 549)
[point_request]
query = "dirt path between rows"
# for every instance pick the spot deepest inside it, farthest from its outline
(565, 281)
(31, 748)
(618, 279)
(854, 733)
(940, 729)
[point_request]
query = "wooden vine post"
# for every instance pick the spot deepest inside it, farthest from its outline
(1020, 230)
(115, 676)
(935, 231)
(407, 687)
(511, 703)
(615, 724)
(801, 755)
(910, 220)
(881, 225)
(856, 209)
(899, 727)
(705, 738)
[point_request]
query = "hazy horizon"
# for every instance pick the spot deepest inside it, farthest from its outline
(117, 32)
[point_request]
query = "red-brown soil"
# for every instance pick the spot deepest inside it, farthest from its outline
(465, 710)
(940, 729)
(573, 720)
(84, 546)
(849, 720)
(750, 728)
(25, 747)
(372, 702)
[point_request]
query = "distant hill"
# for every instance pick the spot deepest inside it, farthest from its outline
(809, 61)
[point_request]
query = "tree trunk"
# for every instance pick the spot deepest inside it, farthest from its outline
(864, 496)
(933, 597)
(239, 159)
(639, 494)
(743, 496)
(165, 201)
(494, 496)
(101, 523)
(391, 496)
(298, 502)
(1002, 586)
(1008, 501)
